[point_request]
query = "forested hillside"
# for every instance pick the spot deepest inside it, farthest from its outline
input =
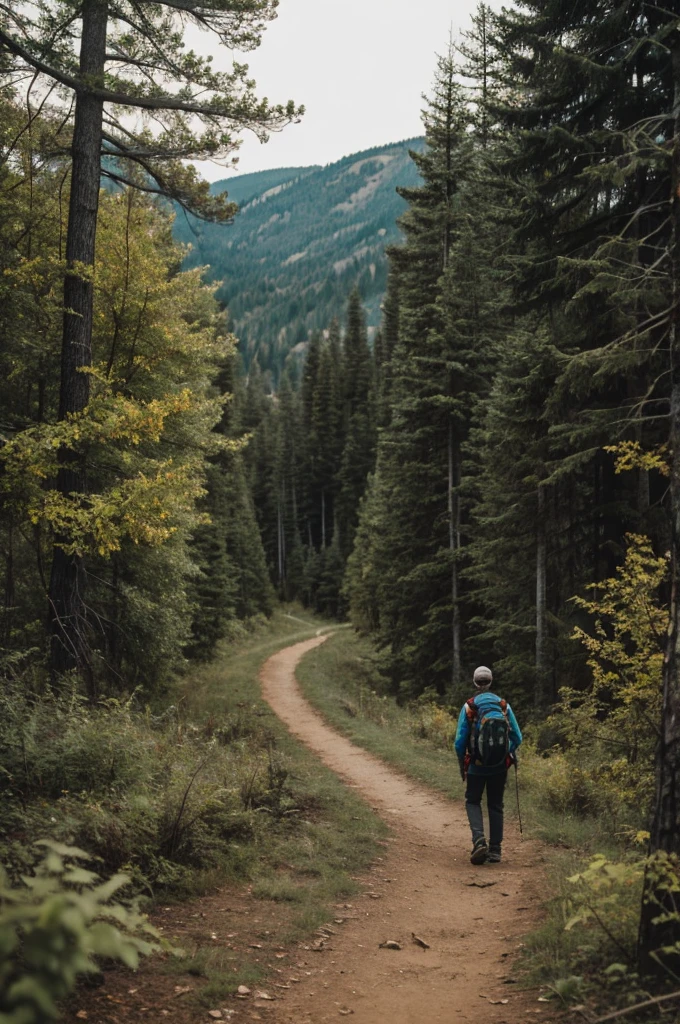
(303, 238)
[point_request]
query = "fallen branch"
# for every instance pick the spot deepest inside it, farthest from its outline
(638, 1006)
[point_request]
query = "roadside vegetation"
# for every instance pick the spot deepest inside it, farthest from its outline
(176, 798)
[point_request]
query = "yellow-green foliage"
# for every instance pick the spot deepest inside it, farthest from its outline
(433, 722)
(631, 455)
(559, 783)
(606, 895)
(610, 727)
(53, 925)
(602, 894)
(157, 340)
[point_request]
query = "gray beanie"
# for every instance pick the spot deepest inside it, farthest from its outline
(482, 677)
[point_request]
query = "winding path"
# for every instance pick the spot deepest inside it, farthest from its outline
(472, 918)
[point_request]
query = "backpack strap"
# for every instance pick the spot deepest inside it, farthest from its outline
(472, 714)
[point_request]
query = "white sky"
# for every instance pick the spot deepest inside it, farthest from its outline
(358, 66)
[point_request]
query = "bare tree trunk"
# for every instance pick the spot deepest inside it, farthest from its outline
(9, 596)
(279, 538)
(660, 920)
(454, 547)
(596, 521)
(70, 648)
(323, 520)
(541, 604)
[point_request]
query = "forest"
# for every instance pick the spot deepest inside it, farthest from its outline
(488, 477)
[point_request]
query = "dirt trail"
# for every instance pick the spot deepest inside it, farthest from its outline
(472, 918)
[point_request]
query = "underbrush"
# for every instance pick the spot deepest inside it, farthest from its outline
(160, 798)
(209, 787)
(175, 801)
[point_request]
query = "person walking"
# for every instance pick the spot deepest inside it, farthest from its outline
(486, 741)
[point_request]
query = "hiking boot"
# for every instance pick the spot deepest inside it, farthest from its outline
(494, 855)
(480, 851)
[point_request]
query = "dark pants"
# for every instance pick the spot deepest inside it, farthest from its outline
(495, 785)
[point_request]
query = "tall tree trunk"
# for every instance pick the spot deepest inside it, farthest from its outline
(454, 547)
(596, 523)
(658, 900)
(70, 648)
(279, 539)
(9, 596)
(540, 686)
(323, 520)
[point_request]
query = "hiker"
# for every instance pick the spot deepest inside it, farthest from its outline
(486, 740)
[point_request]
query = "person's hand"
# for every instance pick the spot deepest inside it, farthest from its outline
(461, 763)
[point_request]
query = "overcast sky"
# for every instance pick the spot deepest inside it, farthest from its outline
(358, 66)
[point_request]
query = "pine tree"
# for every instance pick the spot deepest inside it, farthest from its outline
(213, 587)
(592, 184)
(510, 527)
(385, 345)
(358, 451)
(411, 549)
(586, 222)
(659, 934)
(326, 441)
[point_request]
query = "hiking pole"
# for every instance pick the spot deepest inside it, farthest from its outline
(519, 813)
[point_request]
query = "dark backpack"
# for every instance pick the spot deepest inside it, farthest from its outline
(489, 734)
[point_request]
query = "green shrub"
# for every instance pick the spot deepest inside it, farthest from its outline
(155, 796)
(430, 721)
(53, 926)
(56, 743)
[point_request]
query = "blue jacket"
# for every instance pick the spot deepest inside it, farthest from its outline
(483, 702)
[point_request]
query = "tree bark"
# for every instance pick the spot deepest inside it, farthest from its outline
(67, 604)
(323, 520)
(665, 830)
(540, 686)
(454, 547)
(279, 539)
(9, 596)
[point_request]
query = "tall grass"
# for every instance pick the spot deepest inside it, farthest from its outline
(206, 785)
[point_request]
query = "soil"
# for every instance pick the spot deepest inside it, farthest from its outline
(472, 919)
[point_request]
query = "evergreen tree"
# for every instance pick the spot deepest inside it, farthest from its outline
(412, 547)
(213, 587)
(385, 345)
(326, 440)
(592, 184)
(158, 342)
(358, 452)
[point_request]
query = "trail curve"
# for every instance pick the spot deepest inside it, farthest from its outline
(472, 918)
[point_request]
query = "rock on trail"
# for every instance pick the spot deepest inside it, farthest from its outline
(424, 887)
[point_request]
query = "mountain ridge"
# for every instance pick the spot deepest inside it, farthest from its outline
(304, 237)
